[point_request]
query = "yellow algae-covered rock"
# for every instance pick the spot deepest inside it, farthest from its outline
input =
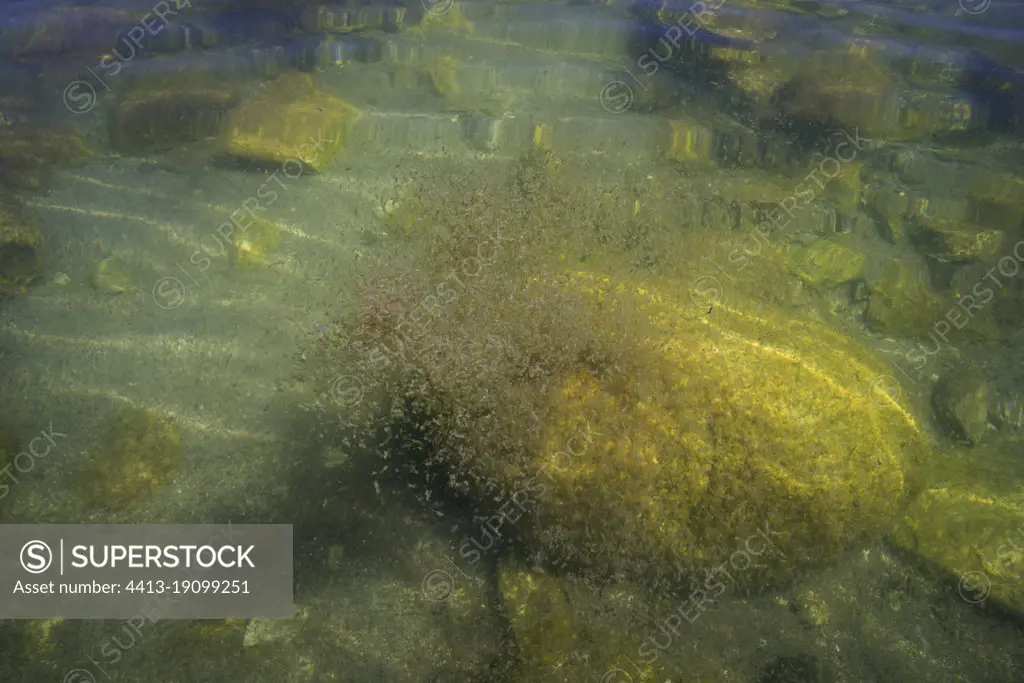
(732, 421)
(826, 263)
(142, 452)
(20, 248)
(958, 241)
(289, 121)
(970, 522)
(901, 300)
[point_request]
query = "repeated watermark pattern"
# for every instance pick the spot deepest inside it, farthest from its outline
(25, 461)
(170, 292)
(80, 96)
(617, 96)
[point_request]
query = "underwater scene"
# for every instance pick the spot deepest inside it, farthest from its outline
(596, 341)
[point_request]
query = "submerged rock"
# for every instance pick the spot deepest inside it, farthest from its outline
(659, 434)
(565, 630)
(901, 300)
(290, 122)
(827, 263)
(969, 522)
(959, 241)
(739, 423)
(142, 453)
(961, 406)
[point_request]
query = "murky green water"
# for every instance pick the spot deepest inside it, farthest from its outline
(576, 341)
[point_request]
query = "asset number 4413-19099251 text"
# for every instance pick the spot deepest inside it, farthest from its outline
(189, 586)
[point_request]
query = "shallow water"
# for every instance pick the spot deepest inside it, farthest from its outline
(575, 341)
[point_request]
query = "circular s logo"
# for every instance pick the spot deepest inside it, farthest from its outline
(79, 676)
(36, 557)
(438, 7)
(79, 97)
(706, 291)
(438, 585)
(975, 7)
(168, 293)
(616, 97)
(975, 587)
(884, 391)
(345, 391)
